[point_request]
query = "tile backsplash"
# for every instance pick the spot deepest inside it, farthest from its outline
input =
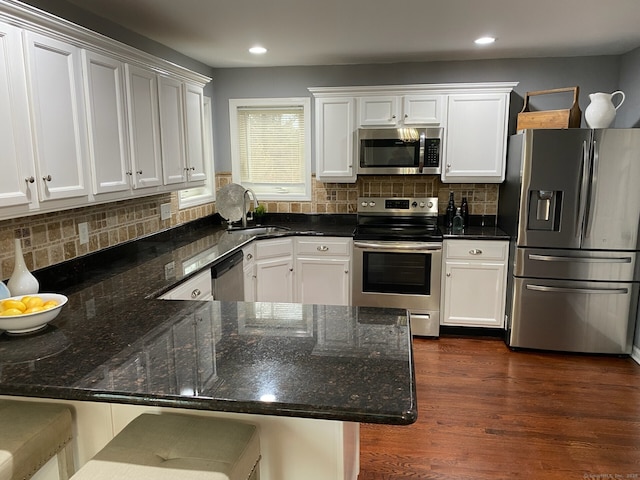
(52, 238)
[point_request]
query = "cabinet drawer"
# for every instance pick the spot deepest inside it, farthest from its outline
(274, 248)
(197, 288)
(476, 249)
(324, 247)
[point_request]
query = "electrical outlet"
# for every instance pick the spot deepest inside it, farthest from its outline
(165, 211)
(83, 231)
(170, 270)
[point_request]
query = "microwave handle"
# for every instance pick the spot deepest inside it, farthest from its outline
(421, 153)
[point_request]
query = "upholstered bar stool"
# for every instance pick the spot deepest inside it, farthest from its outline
(32, 433)
(172, 446)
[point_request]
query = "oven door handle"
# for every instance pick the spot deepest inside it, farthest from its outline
(412, 246)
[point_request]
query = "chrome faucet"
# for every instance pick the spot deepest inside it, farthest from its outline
(244, 205)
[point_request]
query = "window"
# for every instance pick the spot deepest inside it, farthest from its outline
(205, 194)
(271, 147)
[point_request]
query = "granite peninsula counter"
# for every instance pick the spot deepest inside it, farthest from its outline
(306, 374)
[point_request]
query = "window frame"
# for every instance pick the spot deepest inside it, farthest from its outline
(238, 103)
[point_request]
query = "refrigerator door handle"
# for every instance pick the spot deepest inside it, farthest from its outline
(609, 291)
(582, 201)
(555, 258)
(592, 190)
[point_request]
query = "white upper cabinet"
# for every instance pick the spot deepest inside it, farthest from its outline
(105, 104)
(144, 126)
(335, 136)
(476, 138)
(17, 182)
(194, 132)
(399, 110)
(174, 163)
(55, 80)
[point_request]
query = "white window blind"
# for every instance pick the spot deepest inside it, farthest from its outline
(272, 147)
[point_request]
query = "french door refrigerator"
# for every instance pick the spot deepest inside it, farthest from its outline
(571, 203)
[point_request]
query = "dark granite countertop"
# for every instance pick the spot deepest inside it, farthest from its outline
(476, 233)
(115, 342)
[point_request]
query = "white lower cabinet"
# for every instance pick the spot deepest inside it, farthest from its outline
(311, 270)
(249, 271)
(274, 270)
(196, 288)
(474, 279)
(323, 271)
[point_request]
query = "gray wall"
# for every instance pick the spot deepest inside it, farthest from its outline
(592, 74)
(629, 113)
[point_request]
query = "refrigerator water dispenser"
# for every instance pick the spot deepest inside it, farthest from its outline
(544, 210)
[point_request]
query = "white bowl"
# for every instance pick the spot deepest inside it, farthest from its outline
(31, 322)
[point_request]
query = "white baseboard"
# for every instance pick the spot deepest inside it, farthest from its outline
(635, 354)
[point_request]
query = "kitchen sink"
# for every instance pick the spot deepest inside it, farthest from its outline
(258, 230)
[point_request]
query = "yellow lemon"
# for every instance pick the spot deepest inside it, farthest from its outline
(33, 302)
(25, 299)
(10, 311)
(50, 304)
(17, 304)
(38, 308)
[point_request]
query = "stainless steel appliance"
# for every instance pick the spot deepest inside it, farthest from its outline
(397, 255)
(399, 151)
(571, 202)
(228, 279)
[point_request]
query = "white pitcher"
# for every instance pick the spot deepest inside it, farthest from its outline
(601, 111)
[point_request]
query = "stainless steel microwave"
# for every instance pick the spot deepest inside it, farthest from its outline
(399, 151)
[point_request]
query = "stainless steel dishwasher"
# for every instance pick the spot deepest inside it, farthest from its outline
(227, 279)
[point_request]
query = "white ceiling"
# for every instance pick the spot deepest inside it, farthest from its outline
(333, 32)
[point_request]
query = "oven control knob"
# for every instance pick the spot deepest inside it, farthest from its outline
(414, 204)
(422, 204)
(430, 204)
(364, 204)
(372, 204)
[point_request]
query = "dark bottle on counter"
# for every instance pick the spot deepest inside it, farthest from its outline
(457, 221)
(451, 212)
(464, 212)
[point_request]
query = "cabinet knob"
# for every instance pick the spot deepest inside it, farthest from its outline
(346, 271)
(47, 178)
(129, 172)
(30, 179)
(393, 117)
(196, 293)
(323, 248)
(291, 269)
(139, 172)
(192, 168)
(475, 251)
(448, 274)
(249, 256)
(406, 115)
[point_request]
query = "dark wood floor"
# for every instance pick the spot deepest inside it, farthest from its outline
(486, 412)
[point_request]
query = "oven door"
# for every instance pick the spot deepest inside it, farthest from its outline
(401, 275)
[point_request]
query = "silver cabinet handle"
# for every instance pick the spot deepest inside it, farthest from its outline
(196, 293)
(323, 248)
(544, 288)
(30, 179)
(47, 178)
(556, 258)
(475, 251)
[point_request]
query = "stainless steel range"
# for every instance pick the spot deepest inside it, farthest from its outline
(397, 254)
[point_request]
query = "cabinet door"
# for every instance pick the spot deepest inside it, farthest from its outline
(55, 80)
(422, 109)
(171, 101)
(249, 270)
(144, 126)
(274, 279)
(108, 144)
(335, 132)
(194, 133)
(322, 281)
(18, 169)
(474, 294)
(378, 111)
(476, 137)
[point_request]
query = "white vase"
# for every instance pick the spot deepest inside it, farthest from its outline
(22, 281)
(601, 111)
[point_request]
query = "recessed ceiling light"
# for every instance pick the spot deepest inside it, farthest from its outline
(485, 40)
(257, 50)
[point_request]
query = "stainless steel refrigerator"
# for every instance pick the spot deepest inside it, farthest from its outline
(571, 203)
